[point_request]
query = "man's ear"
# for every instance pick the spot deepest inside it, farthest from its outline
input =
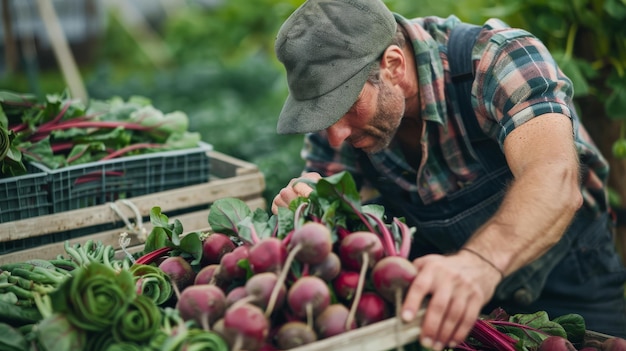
(393, 64)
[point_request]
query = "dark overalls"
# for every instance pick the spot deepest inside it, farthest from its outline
(581, 274)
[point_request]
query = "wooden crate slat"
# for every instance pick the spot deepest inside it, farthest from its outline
(225, 166)
(385, 335)
(195, 221)
(239, 186)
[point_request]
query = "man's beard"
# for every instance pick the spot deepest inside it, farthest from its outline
(389, 111)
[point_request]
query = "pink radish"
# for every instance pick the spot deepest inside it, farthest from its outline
(203, 304)
(332, 321)
(391, 278)
(309, 244)
(246, 325)
(359, 250)
(268, 255)
(328, 269)
(214, 246)
(293, 334)
(308, 297)
(372, 308)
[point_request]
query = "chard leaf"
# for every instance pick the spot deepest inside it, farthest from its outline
(284, 221)
(177, 227)
(574, 326)
(540, 327)
(57, 333)
(81, 153)
(255, 227)
(156, 239)
(338, 186)
(192, 244)
(158, 219)
(12, 339)
(185, 140)
(225, 215)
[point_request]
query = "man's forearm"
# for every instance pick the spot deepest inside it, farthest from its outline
(532, 218)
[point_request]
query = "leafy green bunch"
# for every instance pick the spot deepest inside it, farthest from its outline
(61, 131)
(98, 303)
(152, 282)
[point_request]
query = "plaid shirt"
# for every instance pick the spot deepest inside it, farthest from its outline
(516, 79)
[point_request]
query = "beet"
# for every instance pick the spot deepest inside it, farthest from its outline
(268, 255)
(205, 274)
(614, 344)
(392, 276)
(371, 308)
(358, 248)
(179, 271)
(310, 244)
(203, 304)
(332, 321)
(359, 251)
(345, 285)
(293, 334)
(246, 325)
(236, 294)
(260, 286)
(328, 269)
(308, 297)
(214, 246)
(556, 343)
(312, 241)
(229, 264)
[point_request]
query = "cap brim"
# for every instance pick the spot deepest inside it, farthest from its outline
(313, 115)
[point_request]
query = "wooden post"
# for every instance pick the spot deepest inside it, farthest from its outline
(62, 51)
(9, 41)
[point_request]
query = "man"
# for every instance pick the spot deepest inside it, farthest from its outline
(506, 190)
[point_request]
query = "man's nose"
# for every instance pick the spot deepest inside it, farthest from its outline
(337, 133)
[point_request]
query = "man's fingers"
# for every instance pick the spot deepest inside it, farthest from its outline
(415, 296)
(296, 187)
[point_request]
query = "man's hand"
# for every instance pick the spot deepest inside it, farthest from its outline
(454, 289)
(294, 189)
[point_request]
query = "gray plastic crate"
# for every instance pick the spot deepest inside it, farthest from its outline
(24, 196)
(97, 183)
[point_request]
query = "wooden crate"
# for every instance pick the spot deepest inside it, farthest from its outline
(230, 177)
(391, 334)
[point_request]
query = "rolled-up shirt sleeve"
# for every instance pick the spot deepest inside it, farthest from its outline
(517, 80)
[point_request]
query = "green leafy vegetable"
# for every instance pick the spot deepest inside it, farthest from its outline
(61, 131)
(94, 296)
(166, 234)
(139, 322)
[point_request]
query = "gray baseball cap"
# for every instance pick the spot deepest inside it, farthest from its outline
(328, 48)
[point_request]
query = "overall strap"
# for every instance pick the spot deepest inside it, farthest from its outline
(460, 45)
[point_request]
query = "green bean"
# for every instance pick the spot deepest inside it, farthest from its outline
(19, 292)
(74, 254)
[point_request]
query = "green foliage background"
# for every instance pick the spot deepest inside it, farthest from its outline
(219, 66)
